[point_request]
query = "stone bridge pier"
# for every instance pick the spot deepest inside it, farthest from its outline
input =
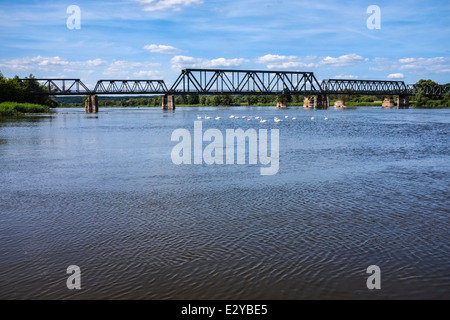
(319, 102)
(91, 104)
(403, 102)
(168, 102)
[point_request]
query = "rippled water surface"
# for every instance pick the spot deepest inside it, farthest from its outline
(366, 187)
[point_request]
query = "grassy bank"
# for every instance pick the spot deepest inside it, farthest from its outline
(16, 109)
(430, 104)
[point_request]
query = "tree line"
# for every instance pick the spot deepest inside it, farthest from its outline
(11, 90)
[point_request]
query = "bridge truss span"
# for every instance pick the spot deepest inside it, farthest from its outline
(130, 87)
(244, 82)
(370, 87)
(56, 86)
(233, 82)
(429, 90)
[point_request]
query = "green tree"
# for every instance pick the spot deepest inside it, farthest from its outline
(37, 93)
(421, 87)
(429, 82)
(251, 100)
(193, 99)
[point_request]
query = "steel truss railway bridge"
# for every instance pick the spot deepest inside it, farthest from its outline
(235, 82)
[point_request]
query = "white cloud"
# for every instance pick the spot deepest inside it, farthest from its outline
(47, 64)
(346, 77)
(125, 69)
(95, 62)
(148, 74)
(285, 62)
(309, 62)
(155, 48)
(38, 63)
(425, 65)
(61, 67)
(182, 62)
(420, 66)
(343, 61)
(156, 5)
(396, 76)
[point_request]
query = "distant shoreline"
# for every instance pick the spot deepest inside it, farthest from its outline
(350, 105)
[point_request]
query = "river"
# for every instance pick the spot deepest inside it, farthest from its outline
(365, 187)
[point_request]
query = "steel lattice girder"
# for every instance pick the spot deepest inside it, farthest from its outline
(223, 81)
(375, 87)
(130, 87)
(58, 86)
(219, 81)
(429, 90)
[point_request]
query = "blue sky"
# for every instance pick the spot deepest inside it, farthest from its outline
(155, 39)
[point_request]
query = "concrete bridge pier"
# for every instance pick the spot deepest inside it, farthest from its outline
(307, 103)
(281, 105)
(321, 102)
(403, 102)
(168, 102)
(91, 104)
(388, 103)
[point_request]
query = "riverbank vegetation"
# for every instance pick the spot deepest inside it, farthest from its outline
(16, 109)
(13, 90)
